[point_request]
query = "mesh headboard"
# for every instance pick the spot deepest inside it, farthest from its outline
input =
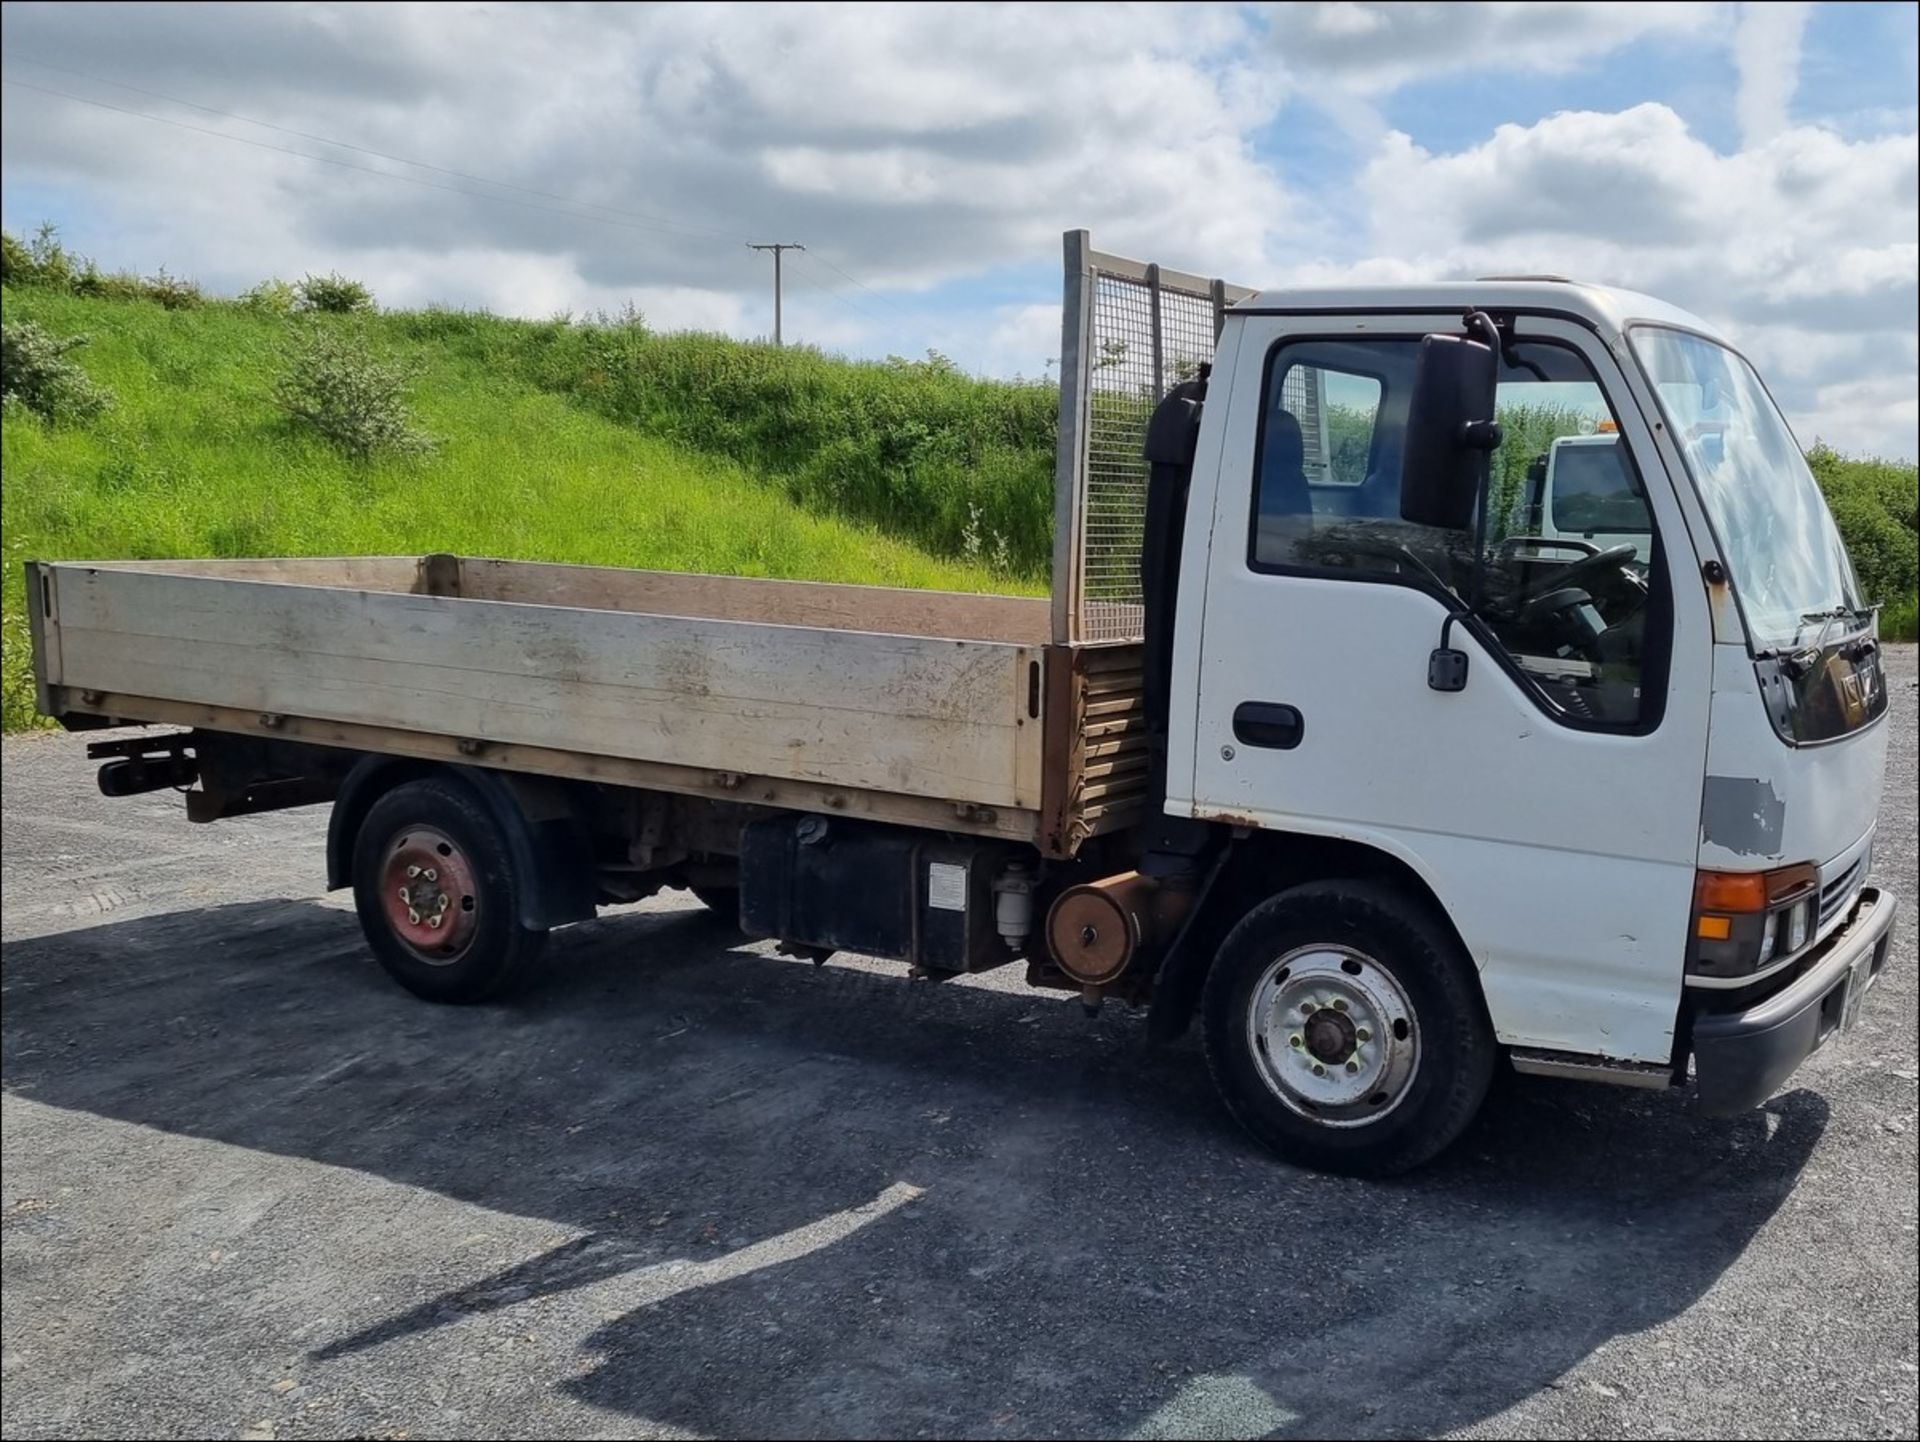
(1129, 331)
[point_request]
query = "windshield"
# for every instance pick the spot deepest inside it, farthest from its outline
(1779, 540)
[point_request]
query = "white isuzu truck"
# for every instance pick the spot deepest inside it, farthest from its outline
(1310, 745)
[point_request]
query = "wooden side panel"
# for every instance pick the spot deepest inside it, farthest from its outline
(1097, 761)
(907, 714)
(1016, 619)
(1110, 772)
(364, 573)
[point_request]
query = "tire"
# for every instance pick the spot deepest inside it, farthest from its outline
(435, 839)
(722, 901)
(1388, 1052)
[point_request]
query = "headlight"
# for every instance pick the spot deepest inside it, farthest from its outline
(1745, 920)
(1798, 925)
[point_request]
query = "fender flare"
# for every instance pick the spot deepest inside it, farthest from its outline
(552, 854)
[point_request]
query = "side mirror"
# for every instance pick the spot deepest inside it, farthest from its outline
(1450, 429)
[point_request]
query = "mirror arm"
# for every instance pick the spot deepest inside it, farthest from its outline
(1503, 343)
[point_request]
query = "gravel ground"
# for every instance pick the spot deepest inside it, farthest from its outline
(686, 1187)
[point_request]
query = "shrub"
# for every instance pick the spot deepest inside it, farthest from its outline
(275, 297)
(36, 374)
(52, 265)
(97, 284)
(16, 261)
(1874, 503)
(357, 400)
(333, 295)
(171, 292)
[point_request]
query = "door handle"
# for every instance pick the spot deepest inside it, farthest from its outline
(1268, 723)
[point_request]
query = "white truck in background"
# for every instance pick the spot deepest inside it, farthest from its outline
(1584, 491)
(1297, 748)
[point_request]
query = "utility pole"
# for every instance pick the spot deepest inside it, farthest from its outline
(776, 247)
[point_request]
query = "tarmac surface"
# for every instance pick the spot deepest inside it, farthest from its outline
(686, 1187)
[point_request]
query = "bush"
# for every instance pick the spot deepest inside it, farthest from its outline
(274, 297)
(16, 261)
(171, 292)
(358, 401)
(43, 261)
(96, 284)
(1874, 503)
(50, 263)
(333, 294)
(36, 374)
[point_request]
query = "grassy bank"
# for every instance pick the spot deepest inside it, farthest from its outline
(601, 443)
(194, 459)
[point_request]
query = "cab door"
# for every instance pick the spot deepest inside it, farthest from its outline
(1552, 804)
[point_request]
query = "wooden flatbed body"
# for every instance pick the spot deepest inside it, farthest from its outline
(932, 709)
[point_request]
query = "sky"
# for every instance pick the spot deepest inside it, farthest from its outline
(1755, 163)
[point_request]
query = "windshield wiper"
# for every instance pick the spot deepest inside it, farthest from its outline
(1797, 658)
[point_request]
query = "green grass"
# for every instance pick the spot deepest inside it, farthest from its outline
(603, 443)
(194, 460)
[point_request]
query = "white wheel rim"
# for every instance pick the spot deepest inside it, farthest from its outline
(1333, 1036)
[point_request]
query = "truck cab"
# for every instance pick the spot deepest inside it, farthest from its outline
(1629, 763)
(1581, 490)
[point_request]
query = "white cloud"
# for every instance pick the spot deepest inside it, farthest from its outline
(908, 144)
(1024, 340)
(1766, 51)
(1802, 249)
(1375, 48)
(915, 145)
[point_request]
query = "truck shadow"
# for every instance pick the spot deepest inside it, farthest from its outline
(832, 1202)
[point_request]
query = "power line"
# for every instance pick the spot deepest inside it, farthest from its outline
(851, 281)
(930, 330)
(347, 145)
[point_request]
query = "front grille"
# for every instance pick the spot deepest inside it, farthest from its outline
(1835, 893)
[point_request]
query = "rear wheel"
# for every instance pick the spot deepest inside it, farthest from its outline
(1345, 1029)
(438, 897)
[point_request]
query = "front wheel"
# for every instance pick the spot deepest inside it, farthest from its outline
(437, 893)
(1345, 1029)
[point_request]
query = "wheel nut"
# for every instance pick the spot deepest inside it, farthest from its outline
(445, 901)
(406, 898)
(1319, 1070)
(1294, 1040)
(413, 871)
(434, 922)
(1353, 1066)
(1360, 1033)
(1306, 1008)
(1339, 1003)
(431, 874)
(413, 916)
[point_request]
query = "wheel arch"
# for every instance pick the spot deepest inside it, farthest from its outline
(545, 837)
(1253, 868)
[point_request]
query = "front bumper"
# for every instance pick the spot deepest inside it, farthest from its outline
(1742, 1057)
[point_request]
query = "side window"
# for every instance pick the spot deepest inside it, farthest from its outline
(1564, 581)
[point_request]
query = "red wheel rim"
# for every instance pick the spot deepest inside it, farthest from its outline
(430, 895)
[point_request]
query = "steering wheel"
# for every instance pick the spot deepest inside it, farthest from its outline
(1562, 578)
